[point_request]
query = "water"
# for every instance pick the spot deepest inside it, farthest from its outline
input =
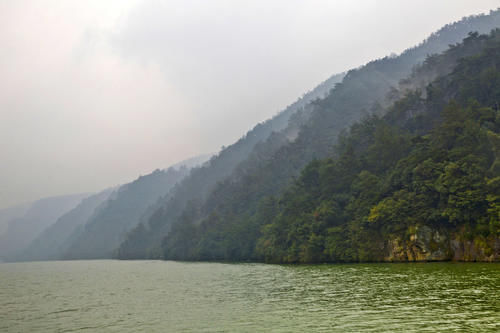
(156, 296)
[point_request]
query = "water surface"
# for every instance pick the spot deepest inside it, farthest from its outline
(158, 296)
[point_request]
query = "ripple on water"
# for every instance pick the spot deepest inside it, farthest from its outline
(157, 296)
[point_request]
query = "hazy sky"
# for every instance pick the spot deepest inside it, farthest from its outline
(95, 93)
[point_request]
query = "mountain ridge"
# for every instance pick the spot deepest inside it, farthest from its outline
(277, 161)
(418, 183)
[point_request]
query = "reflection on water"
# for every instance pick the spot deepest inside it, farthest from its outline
(128, 296)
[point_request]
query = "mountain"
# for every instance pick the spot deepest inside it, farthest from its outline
(9, 213)
(42, 213)
(52, 242)
(144, 241)
(420, 182)
(101, 234)
(193, 162)
(230, 208)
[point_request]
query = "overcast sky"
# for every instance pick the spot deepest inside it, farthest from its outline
(96, 93)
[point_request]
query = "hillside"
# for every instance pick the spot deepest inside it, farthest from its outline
(272, 164)
(40, 214)
(52, 242)
(145, 240)
(113, 218)
(419, 183)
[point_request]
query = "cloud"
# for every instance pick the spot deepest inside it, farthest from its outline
(94, 93)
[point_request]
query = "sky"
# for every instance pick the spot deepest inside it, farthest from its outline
(95, 93)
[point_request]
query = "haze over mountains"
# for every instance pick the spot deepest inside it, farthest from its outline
(52, 243)
(9, 213)
(103, 231)
(111, 90)
(236, 204)
(40, 215)
(417, 182)
(59, 228)
(273, 164)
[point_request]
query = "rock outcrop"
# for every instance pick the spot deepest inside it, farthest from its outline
(424, 243)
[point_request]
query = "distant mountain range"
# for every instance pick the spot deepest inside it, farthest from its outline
(40, 214)
(54, 241)
(326, 179)
(65, 227)
(9, 213)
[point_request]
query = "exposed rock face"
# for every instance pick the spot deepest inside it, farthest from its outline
(479, 249)
(422, 243)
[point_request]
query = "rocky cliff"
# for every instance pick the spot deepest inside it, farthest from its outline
(424, 243)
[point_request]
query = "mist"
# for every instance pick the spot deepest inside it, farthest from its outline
(94, 94)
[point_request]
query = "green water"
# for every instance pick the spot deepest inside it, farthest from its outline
(156, 296)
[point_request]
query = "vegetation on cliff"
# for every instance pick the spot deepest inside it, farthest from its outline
(223, 194)
(432, 160)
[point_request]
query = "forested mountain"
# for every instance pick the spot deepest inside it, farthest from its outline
(419, 183)
(223, 221)
(144, 241)
(40, 214)
(113, 218)
(53, 242)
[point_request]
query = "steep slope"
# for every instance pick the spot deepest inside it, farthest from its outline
(105, 229)
(144, 241)
(273, 164)
(51, 244)
(231, 211)
(42, 213)
(420, 183)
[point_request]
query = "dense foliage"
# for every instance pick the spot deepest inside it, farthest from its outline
(144, 240)
(229, 191)
(432, 159)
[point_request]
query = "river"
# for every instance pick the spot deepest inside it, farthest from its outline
(165, 296)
